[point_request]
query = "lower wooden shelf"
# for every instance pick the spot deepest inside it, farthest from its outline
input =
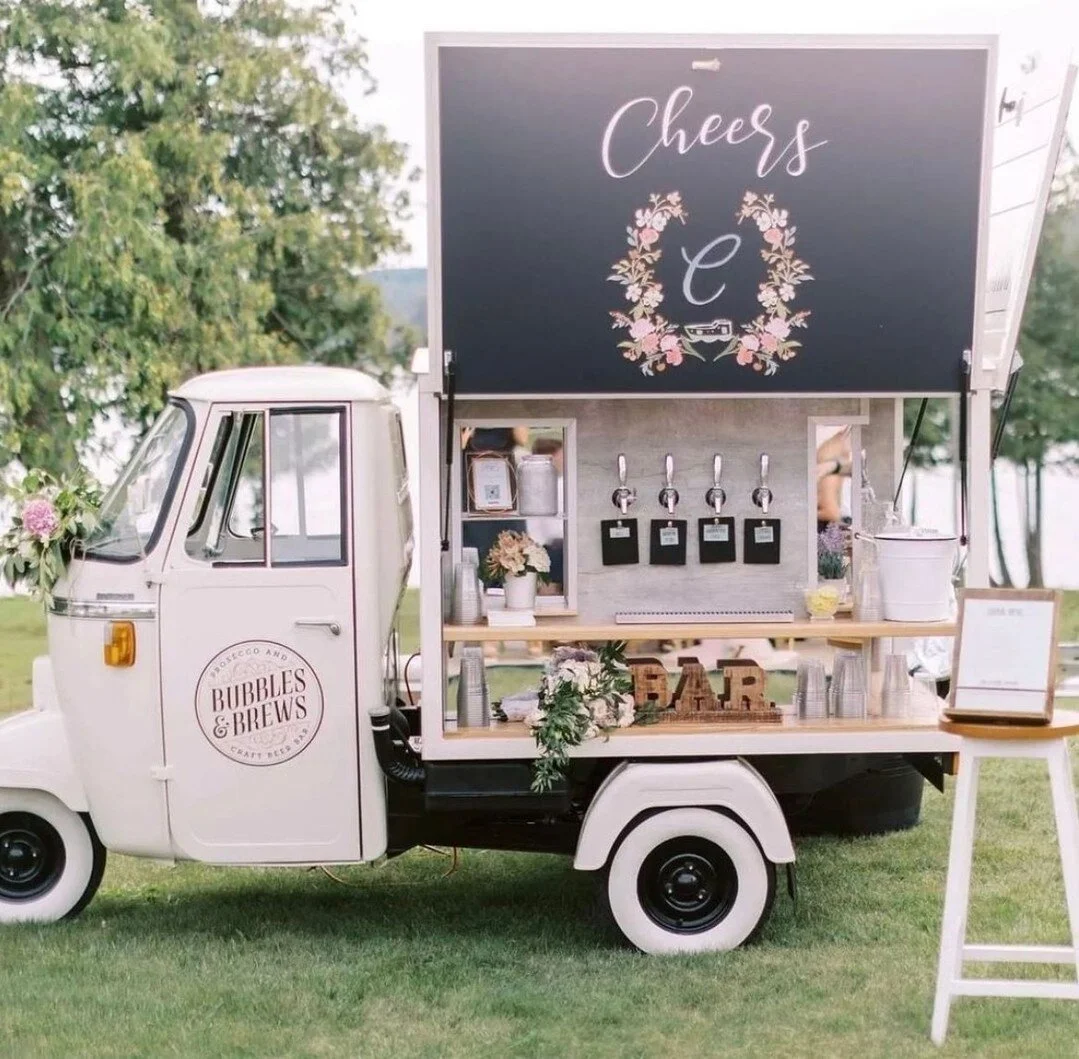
(790, 723)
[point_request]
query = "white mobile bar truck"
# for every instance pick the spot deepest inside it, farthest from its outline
(665, 250)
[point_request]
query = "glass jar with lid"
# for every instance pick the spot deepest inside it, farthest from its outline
(537, 486)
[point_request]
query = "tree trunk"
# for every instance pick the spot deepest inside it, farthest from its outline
(1032, 531)
(1037, 573)
(998, 542)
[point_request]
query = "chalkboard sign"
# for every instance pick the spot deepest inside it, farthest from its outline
(637, 220)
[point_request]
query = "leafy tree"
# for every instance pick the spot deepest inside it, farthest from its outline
(182, 188)
(1041, 428)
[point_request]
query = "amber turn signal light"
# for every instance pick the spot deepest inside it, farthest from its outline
(120, 643)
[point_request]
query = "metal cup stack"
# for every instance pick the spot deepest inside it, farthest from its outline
(473, 707)
(810, 692)
(895, 690)
(848, 697)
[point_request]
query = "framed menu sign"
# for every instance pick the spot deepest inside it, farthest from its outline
(662, 215)
(1005, 655)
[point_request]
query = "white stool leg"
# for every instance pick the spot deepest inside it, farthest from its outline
(1067, 821)
(953, 929)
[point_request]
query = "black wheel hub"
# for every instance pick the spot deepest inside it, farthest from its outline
(31, 856)
(687, 885)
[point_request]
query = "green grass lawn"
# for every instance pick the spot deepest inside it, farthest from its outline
(508, 956)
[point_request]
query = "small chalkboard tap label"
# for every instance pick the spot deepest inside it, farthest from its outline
(668, 537)
(761, 536)
(619, 543)
(715, 534)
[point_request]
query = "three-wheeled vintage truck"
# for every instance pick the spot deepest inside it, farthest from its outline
(702, 247)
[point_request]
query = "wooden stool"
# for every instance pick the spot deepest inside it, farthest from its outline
(1046, 742)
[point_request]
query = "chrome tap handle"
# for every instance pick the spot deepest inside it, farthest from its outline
(762, 495)
(623, 496)
(668, 495)
(716, 497)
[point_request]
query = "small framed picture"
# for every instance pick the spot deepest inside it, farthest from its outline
(1005, 655)
(491, 482)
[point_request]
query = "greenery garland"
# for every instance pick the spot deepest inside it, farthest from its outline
(582, 694)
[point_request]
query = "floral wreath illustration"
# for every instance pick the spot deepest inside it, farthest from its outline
(656, 342)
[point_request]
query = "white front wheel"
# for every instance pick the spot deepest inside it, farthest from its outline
(689, 880)
(51, 861)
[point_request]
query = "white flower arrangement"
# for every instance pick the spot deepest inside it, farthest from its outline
(583, 694)
(515, 554)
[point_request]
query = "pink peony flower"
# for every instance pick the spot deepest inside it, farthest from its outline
(639, 328)
(751, 342)
(773, 237)
(769, 343)
(39, 518)
(745, 353)
(669, 342)
(778, 326)
(650, 343)
(674, 355)
(648, 236)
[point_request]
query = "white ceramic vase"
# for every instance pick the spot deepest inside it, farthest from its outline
(520, 592)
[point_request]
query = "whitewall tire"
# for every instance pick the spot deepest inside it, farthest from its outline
(51, 861)
(689, 880)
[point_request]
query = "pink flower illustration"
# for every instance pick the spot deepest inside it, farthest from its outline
(656, 343)
(778, 326)
(39, 518)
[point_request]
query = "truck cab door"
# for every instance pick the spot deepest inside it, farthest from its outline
(258, 643)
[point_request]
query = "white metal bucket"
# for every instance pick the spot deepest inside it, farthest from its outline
(916, 569)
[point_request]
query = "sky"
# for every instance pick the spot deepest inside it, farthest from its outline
(394, 32)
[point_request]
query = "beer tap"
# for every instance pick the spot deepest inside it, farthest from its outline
(668, 495)
(716, 497)
(624, 495)
(762, 495)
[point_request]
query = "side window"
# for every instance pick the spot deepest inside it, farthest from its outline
(306, 487)
(229, 521)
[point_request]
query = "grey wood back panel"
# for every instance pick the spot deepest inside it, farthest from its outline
(692, 430)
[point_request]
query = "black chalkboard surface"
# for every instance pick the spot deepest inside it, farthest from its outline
(634, 220)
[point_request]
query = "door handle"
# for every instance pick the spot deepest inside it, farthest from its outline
(327, 623)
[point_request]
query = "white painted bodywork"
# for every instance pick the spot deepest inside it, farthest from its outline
(35, 755)
(637, 787)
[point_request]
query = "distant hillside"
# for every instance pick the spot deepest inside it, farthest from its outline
(405, 294)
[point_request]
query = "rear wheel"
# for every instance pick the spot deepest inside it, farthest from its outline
(51, 860)
(689, 880)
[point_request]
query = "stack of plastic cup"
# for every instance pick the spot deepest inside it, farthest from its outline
(473, 707)
(895, 689)
(810, 693)
(848, 686)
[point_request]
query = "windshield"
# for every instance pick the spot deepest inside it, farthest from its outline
(132, 512)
